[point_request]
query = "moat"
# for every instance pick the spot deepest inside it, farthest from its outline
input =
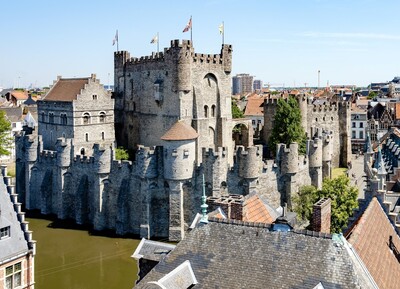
(76, 259)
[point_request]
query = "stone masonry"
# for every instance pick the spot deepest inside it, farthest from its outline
(173, 111)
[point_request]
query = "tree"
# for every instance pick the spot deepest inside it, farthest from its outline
(343, 197)
(121, 154)
(287, 125)
(236, 111)
(5, 139)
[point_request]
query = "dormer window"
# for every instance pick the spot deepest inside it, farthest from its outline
(94, 96)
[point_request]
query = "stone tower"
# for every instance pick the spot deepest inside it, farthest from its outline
(153, 92)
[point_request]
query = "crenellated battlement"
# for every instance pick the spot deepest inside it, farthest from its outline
(48, 154)
(220, 152)
(154, 57)
(83, 159)
(324, 107)
(208, 58)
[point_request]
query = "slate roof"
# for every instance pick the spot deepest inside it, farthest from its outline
(66, 89)
(370, 238)
(237, 256)
(15, 244)
(180, 131)
(14, 114)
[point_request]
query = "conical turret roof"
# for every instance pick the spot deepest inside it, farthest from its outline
(180, 131)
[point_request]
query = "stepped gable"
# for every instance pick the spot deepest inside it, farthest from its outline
(180, 131)
(66, 89)
(15, 243)
(378, 245)
(238, 256)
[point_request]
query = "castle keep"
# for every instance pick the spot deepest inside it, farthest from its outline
(173, 110)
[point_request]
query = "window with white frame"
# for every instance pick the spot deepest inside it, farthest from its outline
(13, 276)
(4, 232)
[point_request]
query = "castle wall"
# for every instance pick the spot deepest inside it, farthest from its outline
(153, 92)
(325, 118)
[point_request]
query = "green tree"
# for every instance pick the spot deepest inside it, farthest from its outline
(343, 197)
(121, 154)
(5, 139)
(287, 125)
(304, 201)
(372, 95)
(236, 111)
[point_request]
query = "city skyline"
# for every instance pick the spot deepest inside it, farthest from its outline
(282, 43)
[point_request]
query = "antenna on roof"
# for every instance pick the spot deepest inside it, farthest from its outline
(204, 206)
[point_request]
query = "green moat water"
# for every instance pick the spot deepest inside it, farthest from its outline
(74, 259)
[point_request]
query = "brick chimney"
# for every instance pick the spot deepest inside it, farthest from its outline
(322, 216)
(236, 209)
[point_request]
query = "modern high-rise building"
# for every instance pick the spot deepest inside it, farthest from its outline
(257, 84)
(242, 84)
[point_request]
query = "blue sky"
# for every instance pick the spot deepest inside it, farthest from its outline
(277, 41)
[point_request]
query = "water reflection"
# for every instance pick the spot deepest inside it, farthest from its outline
(74, 259)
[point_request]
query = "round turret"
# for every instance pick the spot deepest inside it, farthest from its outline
(146, 160)
(315, 153)
(327, 148)
(249, 161)
(179, 151)
(31, 149)
(63, 153)
(102, 159)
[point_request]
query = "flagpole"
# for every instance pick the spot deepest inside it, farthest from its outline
(191, 28)
(117, 40)
(158, 44)
(223, 32)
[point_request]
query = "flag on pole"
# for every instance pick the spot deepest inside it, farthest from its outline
(115, 40)
(155, 39)
(221, 28)
(188, 26)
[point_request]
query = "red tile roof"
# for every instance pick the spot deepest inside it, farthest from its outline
(66, 89)
(255, 211)
(19, 95)
(370, 238)
(254, 106)
(180, 131)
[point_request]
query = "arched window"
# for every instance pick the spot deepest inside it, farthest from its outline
(213, 110)
(82, 151)
(205, 111)
(43, 117)
(51, 117)
(102, 135)
(63, 118)
(102, 116)
(86, 118)
(86, 136)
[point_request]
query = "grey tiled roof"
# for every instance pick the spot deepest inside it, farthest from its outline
(16, 243)
(228, 255)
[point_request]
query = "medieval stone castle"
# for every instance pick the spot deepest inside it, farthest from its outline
(173, 110)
